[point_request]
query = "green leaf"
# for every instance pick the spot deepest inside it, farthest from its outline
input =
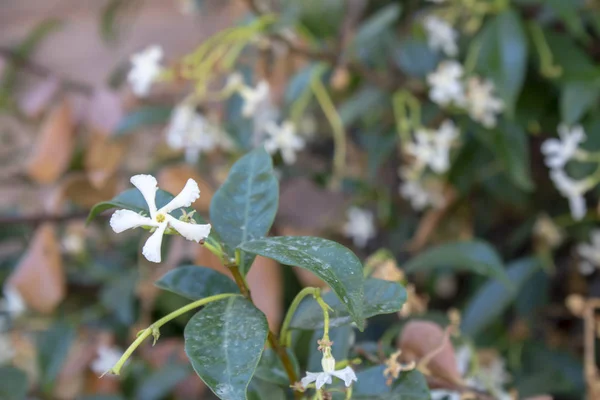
(415, 57)
(260, 390)
(195, 282)
(245, 205)
(53, 346)
(131, 199)
(576, 99)
(14, 384)
(376, 24)
(511, 144)
(142, 118)
(474, 256)
(503, 55)
(575, 63)
(480, 311)
(224, 342)
(381, 297)
(161, 382)
(330, 261)
(372, 385)
(270, 368)
(362, 102)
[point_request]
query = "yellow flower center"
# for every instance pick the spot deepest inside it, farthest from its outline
(160, 218)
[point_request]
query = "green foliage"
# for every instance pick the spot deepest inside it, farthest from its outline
(53, 346)
(195, 282)
(161, 382)
(14, 384)
(143, 118)
(372, 385)
(271, 369)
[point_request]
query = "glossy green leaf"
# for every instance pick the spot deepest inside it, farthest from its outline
(161, 382)
(14, 384)
(131, 199)
(370, 31)
(260, 390)
(245, 205)
(503, 55)
(480, 311)
(270, 368)
(363, 101)
(224, 343)
(372, 385)
(473, 256)
(53, 346)
(142, 118)
(575, 63)
(415, 57)
(330, 261)
(195, 282)
(381, 297)
(576, 99)
(511, 145)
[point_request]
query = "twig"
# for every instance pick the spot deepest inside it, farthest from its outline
(37, 219)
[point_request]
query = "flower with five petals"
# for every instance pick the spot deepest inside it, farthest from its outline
(321, 378)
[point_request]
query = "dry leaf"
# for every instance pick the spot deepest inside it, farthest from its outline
(420, 338)
(34, 101)
(105, 111)
(173, 179)
(540, 397)
(77, 188)
(71, 379)
(53, 149)
(39, 276)
(102, 158)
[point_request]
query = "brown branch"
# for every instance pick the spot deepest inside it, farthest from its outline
(41, 71)
(36, 219)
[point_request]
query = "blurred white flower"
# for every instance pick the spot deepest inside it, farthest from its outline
(234, 82)
(254, 98)
(573, 190)
(446, 84)
(442, 394)
(590, 253)
(73, 243)
(283, 138)
(546, 230)
(481, 103)
(558, 152)
(145, 68)
(161, 219)
(7, 349)
(12, 303)
(420, 194)
(433, 147)
(106, 358)
(360, 226)
(321, 378)
(440, 35)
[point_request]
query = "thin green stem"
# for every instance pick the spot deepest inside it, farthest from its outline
(284, 336)
(326, 309)
(154, 328)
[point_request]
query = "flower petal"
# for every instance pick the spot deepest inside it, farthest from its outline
(309, 378)
(347, 375)
(194, 232)
(147, 185)
(122, 220)
(152, 247)
(189, 194)
(322, 379)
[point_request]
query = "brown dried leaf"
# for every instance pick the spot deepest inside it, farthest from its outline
(102, 158)
(78, 188)
(173, 179)
(52, 152)
(39, 277)
(419, 339)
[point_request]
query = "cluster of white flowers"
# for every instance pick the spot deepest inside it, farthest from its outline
(190, 131)
(321, 378)
(558, 152)
(145, 68)
(106, 358)
(476, 95)
(432, 147)
(283, 138)
(360, 226)
(590, 254)
(440, 35)
(161, 220)
(421, 193)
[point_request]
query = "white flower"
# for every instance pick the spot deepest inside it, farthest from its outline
(481, 103)
(106, 358)
(433, 147)
(446, 84)
(234, 82)
(546, 230)
(590, 253)
(145, 68)
(441, 35)
(321, 378)
(420, 194)
(573, 190)
(558, 152)
(360, 226)
(13, 303)
(254, 98)
(160, 220)
(284, 139)
(7, 348)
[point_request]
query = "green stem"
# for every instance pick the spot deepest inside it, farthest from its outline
(154, 328)
(284, 336)
(337, 127)
(325, 308)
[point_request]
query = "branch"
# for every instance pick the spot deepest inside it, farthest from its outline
(37, 219)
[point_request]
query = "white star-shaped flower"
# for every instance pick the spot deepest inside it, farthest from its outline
(254, 98)
(573, 190)
(192, 132)
(106, 358)
(440, 35)
(590, 253)
(321, 378)
(145, 67)
(481, 103)
(360, 226)
(161, 219)
(285, 139)
(558, 152)
(433, 147)
(446, 84)
(13, 303)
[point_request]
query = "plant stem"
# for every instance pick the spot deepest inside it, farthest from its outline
(154, 328)
(285, 327)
